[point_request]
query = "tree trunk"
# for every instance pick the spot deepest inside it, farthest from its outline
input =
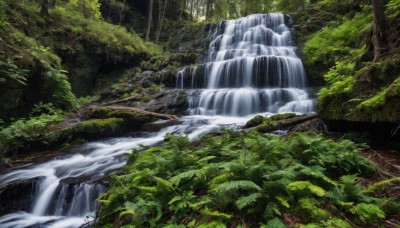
(44, 8)
(379, 39)
(149, 20)
(191, 9)
(121, 13)
(161, 18)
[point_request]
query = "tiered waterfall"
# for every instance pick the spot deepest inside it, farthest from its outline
(251, 67)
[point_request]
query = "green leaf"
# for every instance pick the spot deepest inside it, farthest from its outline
(185, 175)
(283, 201)
(306, 185)
(276, 223)
(369, 213)
(244, 201)
(216, 214)
(235, 185)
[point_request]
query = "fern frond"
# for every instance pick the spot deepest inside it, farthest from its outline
(216, 214)
(147, 189)
(235, 185)
(186, 175)
(244, 201)
(163, 184)
(306, 185)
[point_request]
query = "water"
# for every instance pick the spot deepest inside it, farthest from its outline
(251, 68)
(58, 203)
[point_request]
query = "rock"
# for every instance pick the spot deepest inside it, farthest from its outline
(168, 77)
(98, 128)
(17, 196)
(266, 122)
(109, 121)
(255, 121)
(158, 125)
(170, 102)
(315, 125)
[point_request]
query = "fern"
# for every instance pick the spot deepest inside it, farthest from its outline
(276, 223)
(243, 177)
(216, 214)
(236, 185)
(187, 175)
(245, 201)
(368, 213)
(306, 185)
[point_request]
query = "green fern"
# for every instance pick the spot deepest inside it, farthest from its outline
(245, 201)
(236, 185)
(306, 185)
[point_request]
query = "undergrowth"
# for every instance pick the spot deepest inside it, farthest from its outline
(243, 179)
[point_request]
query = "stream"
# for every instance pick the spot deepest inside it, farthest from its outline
(251, 68)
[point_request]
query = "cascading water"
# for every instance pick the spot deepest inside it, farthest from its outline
(59, 202)
(251, 68)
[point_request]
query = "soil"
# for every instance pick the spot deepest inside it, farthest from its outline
(388, 166)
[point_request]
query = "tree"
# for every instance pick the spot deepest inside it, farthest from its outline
(149, 19)
(44, 8)
(161, 14)
(379, 38)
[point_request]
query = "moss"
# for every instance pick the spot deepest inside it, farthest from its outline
(131, 118)
(255, 121)
(100, 127)
(382, 185)
(282, 116)
(264, 124)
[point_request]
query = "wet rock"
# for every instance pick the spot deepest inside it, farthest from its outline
(315, 125)
(157, 126)
(17, 195)
(98, 128)
(169, 102)
(168, 77)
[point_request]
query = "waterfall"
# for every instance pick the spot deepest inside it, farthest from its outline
(251, 67)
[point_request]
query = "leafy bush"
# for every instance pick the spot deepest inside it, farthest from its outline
(338, 42)
(393, 8)
(24, 131)
(115, 40)
(241, 178)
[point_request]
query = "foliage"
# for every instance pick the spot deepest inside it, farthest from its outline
(116, 41)
(89, 8)
(341, 81)
(393, 8)
(339, 41)
(22, 132)
(242, 178)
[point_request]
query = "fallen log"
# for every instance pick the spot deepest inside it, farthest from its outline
(140, 111)
(272, 125)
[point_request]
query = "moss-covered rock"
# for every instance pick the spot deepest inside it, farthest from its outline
(96, 128)
(264, 124)
(255, 121)
(282, 116)
(130, 118)
(267, 125)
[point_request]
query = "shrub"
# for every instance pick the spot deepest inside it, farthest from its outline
(241, 178)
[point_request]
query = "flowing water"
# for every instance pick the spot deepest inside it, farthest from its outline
(251, 67)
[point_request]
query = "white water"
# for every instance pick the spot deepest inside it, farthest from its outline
(251, 68)
(58, 204)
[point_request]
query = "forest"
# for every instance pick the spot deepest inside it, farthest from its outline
(200, 113)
